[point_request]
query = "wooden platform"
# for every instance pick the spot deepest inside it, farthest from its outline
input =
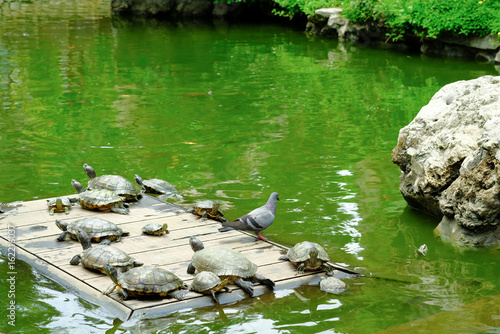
(36, 244)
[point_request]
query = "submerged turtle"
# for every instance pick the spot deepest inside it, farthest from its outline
(207, 282)
(158, 186)
(145, 281)
(97, 229)
(226, 263)
(155, 229)
(94, 258)
(308, 256)
(59, 205)
(100, 199)
(208, 209)
(116, 183)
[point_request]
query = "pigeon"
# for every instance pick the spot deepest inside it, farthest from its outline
(256, 220)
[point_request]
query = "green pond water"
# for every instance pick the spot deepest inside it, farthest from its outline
(233, 112)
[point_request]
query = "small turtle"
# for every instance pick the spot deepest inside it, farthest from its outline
(158, 186)
(97, 229)
(208, 209)
(94, 258)
(332, 285)
(226, 263)
(207, 282)
(145, 281)
(116, 183)
(100, 199)
(308, 256)
(155, 229)
(59, 205)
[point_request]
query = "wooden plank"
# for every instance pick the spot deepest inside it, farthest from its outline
(36, 234)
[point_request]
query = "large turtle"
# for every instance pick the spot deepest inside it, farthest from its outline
(226, 263)
(116, 183)
(155, 229)
(207, 282)
(145, 281)
(59, 205)
(94, 258)
(158, 186)
(100, 199)
(208, 209)
(96, 228)
(308, 256)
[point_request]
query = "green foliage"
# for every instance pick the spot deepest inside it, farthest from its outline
(429, 18)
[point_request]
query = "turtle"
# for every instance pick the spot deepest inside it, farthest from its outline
(100, 199)
(116, 183)
(59, 205)
(226, 263)
(158, 186)
(207, 282)
(208, 209)
(94, 258)
(155, 229)
(97, 229)
(145, 281)
(308, 256)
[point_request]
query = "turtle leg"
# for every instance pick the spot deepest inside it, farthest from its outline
(66, 209)
(124, 294)
(284, 257)
(204, 216)
(245, 285)
(178, 294)
(214, 296)
(105, 242)
(75, 260)
(62, 236)
(300, 268)
(138, 263)
(51, 212)
(328, 268)
(110, 289)
(263, 280)
(120, 209)
(191, 269)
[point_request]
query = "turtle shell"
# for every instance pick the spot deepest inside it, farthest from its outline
(223, 262)
(154, 229)
(157, 186)
(205, 281)
(95, 257)
(211, 209)
(300, 252)
(100, 199)
(116, 183)
(149, 280)
(96, 229)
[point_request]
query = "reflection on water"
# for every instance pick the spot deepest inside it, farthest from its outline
(232, 112)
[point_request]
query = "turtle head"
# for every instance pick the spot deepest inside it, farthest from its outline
(139, 180)
(62, 225)
(59, 204)
(77, 185)
(195, 243)
(84, 239)
(89, 171)
(111, 272)
(164, 228)
(313, 254)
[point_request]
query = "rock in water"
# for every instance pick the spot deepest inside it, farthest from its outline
(450, 158)
(332, 285)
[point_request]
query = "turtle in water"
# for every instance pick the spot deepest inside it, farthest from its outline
(155, 229)
(226, 263)
(59, 205)
(96, 228)
(145, 281)
(207, 282)
(116, 183)
(208, 209)
(100, 199)
(158, 186)
(308, 256)
(94, 258)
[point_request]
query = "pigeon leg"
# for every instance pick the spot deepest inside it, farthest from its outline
(261, 237)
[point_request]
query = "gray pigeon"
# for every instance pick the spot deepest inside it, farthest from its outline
(257, 220)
